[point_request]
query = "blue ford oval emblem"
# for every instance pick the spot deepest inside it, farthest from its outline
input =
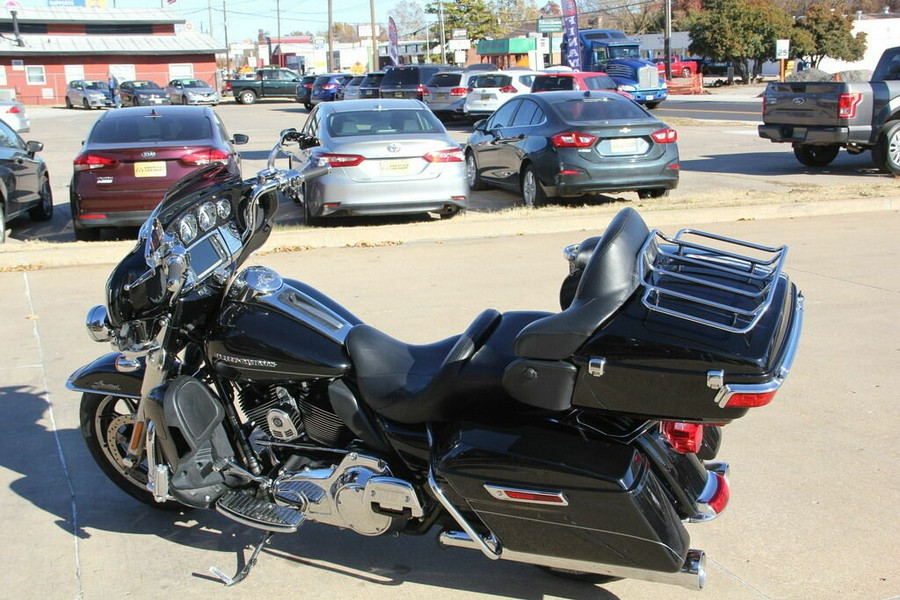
(799, 100)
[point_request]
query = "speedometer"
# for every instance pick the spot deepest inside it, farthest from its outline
(223, 207)
(207, 216)
(187, 228)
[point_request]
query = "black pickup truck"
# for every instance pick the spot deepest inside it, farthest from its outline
(820, 118)
(267, 83)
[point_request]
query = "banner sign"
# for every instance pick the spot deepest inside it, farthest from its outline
(570, 20)
(393, 49)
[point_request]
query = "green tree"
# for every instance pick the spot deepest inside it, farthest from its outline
(477, 17)
(516, 17)
(828, 32)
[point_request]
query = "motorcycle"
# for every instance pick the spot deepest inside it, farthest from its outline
(581, 441)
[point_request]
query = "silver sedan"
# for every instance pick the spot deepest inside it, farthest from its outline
(389, 156)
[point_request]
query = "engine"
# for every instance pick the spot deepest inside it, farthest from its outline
(293, 411)
(359, 494)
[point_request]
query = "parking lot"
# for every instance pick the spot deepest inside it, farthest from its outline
(815, 475)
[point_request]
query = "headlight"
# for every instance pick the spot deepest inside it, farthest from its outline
(97, 323)
(627, 88)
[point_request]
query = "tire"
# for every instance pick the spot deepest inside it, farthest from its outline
(86, 104)
(578, 575)
(307, 106)
(184, 100)
(2, 224)
(653, 193)
(44, 210)
(685, 72)
(106, 423)
(311, 220)
(247, 97)
(886, 152)
(88, 234)
(533, 194)
(816, 156)
(472, 176)
(652, 105)
(69, 103)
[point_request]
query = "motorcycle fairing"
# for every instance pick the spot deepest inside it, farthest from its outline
(102, 376)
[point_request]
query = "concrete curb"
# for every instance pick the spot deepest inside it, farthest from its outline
(43, 255)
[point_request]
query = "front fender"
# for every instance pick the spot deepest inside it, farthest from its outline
(103, 377)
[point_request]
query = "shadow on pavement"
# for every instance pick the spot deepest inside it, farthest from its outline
(767, 163)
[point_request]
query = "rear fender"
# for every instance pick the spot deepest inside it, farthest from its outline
(105, 376)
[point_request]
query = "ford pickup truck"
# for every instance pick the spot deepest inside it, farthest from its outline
(268, 83)
(820, 118)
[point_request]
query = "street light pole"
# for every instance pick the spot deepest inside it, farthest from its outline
(443, 35)
(374, 65)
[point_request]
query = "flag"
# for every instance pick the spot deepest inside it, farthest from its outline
(573, 45)
(393, 48)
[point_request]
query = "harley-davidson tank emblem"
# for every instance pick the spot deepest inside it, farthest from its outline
(105, 385)
(246, 362)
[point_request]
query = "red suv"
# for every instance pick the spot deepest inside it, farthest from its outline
(574, 80)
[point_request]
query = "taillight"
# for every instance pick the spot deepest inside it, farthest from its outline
(339, 160)
(445, 156)
(685, 438)
(228, 86)
(420, 90)
(204, 157)
(307, 86)
(749, 400)
(508, 89)
(847, 104)
(573, 139)
(665, 136)
(13, 110)
(459, 91)
(329, 86)
(88, 162)
(720, 497)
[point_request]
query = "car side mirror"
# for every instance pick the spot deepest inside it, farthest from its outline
(239, 139)
(33, 147)
(481, 125)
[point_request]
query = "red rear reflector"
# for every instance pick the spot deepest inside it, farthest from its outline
(86, 162)
(847, 104)
(445, 156)
(204, 157)
(573, 139)
(739, 400)
(533, 497)
(570, 172)
(665, 136)
(685, 438)
(458, 91)
(340, 160)
(720, 498)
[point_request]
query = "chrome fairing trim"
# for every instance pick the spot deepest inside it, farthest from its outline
(500, 492)
(781, 372)
(74, 388)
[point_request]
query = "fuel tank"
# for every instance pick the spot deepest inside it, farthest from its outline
(270, 329)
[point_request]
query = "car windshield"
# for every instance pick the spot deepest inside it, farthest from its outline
(95, 85)
(492, 81)
(624, 52)
(608, 108)
(378, 122)
(149, 128)
(144, 85)
(194, 83)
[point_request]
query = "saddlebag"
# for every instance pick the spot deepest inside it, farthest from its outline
(545, 490)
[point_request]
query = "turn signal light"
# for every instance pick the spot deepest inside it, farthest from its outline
(573, 139)
(87, 162)
(685, 438)
(445, 156)
(204, 157)
(665, 136)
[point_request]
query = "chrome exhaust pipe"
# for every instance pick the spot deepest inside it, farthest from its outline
(691, 576)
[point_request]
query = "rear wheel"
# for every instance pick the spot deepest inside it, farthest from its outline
(886, 152)
(307, 106)
(44, 209)
(2, 224)
(532, 193)
(247, 97)
(106, 424)
(816, 156)
(311, 220)
(474, 179)
(653, 193)
(86, 104)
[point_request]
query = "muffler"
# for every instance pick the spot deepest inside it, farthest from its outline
(691, 576)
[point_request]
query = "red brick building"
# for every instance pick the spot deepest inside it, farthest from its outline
(42, 49)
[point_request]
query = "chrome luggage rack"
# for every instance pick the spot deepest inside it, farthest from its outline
(727, 285)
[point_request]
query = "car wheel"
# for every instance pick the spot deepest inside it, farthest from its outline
(86, 104)
(247, 97)
(816, 156)
(474, 179)
(886, 152)
(184, 100)
(311, 220)
(2, 224)
(653, 193)
(532, 193)
(69, 103)
(685, 72)
(307, 106)
(44, 209)
(91, 234)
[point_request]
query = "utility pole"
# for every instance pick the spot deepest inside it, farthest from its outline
(667, 42)
(374, 65)
(328, 60)
(443, 35)
(227, 47)
(278, 28)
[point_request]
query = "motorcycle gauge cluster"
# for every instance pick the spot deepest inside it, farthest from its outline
(187, 228)
(206, 216)
(202, 219)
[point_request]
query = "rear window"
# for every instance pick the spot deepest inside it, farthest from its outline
(372, 122)
(552, 83)
(610, 108)
(445, 80)
(492, 81)
(401, 77)
(372, 80)
(186, 128)
(356, 81)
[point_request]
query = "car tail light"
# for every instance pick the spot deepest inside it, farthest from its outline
(420, 90)
(339, 160)
(749, 400)
(459, 91)
(665, 136)
(330, 86)
(228, 86)
(573, 139)
(685, 438)
(445, 156)
(13, 110)
(508, 89)
(204, 157)
(88, 162)
(847, 104)
(307, 86)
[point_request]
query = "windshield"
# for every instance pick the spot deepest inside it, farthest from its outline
(608, 108)
(379, 122)
(194, 83)
(144, 85)
(624, 52)
(95, 85)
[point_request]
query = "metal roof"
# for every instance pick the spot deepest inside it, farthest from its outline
(182, 43)
(83, 14)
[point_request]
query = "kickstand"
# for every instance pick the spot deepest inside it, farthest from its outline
(239, 577)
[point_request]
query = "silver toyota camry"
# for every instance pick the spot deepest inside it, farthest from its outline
(388, 156)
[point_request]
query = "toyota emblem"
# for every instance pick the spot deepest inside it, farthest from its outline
(393, 148)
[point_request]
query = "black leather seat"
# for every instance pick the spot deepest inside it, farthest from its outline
(413, 383)
(609, 279)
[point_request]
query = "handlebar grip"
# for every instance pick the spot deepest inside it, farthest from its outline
(316, 172)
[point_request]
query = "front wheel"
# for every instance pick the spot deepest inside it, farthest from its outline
(106, 424)
(816, 156)
(886, 152)
(43, 211)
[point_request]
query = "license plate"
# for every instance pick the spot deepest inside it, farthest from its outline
(394, 167)
(150, 169)
(442, 95)
(623, 145)
(649, 96)
(486, 97)
(398, 94)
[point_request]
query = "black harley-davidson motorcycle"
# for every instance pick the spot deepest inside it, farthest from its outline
(580, 441)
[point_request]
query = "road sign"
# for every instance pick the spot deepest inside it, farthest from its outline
(782, 49)
(550, 25)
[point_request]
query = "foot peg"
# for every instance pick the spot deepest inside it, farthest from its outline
(261, 514)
